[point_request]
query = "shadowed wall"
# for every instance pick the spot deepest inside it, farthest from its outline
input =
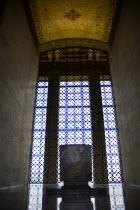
(18, 66)
(125, 69)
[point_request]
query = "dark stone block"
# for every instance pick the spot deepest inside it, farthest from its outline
(95, 190)
(81, 203)
(75, 163)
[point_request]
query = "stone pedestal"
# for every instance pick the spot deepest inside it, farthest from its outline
(75, 171)
(56, 190)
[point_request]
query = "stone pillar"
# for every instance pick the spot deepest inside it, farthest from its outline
(99, 148)
(51, 145)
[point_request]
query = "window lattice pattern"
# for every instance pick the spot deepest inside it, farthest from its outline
(116, 196)
(74, 55)
(111, 137)
(39, 130)
(74, 124)
(35, 197)
(74, 117)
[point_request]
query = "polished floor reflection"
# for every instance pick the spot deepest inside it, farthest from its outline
(113, 200)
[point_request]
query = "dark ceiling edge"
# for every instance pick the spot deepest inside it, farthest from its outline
(2, 8)
(29, 17)
(115, 21)
(73, 42)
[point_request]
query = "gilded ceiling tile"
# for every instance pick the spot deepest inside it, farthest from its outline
(61, 19)
(72, 15)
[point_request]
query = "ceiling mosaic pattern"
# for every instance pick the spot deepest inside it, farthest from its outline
(62, 19)
(72, 15)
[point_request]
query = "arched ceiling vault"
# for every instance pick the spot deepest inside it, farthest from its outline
(67, 23)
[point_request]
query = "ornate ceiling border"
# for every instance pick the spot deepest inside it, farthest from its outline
(108, 24)
(39, 28)
(35, 12)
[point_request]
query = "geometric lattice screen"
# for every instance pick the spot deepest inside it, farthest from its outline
(39, 131)
(111, 134)
(78, 98)
(74, 120)
(76, 55)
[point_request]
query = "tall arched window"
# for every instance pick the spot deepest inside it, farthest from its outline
(74, 105)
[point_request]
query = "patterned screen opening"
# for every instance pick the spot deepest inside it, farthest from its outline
(74, 55)
(110, 128)
(74, 123)
(39, 131)
(75, 114)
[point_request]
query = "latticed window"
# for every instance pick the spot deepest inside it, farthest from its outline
(74, 105)
(110, 128)
(74, 119)
(39, 130)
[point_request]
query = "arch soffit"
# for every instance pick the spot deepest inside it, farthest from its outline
(74, 42)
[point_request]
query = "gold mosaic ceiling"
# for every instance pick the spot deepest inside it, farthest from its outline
(62, 19)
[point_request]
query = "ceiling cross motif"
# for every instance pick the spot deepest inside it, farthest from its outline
(72, 15)
(85, 19)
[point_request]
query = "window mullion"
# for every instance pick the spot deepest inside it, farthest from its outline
(50, 162)
(99, 148)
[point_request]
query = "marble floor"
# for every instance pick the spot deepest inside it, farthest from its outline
(114, 200)
(118, 197)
